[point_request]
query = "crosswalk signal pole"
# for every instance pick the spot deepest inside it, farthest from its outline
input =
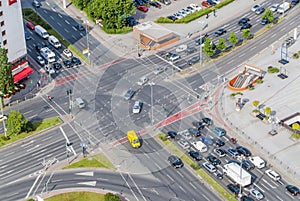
(69, 94)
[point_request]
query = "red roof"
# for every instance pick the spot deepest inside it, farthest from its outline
(24, 73)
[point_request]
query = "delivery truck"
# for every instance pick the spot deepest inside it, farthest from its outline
(285, 6)
(237, 174)
(133, 139)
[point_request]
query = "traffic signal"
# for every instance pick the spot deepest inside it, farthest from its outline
(69, 92)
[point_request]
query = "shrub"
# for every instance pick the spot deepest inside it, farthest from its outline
(251, 87)
(273, 70)
(117, 31)
(195, 166)
(164, 20)
(163, 137)
(5, 138)
(255, 111)
(259, 81)
(295, 56)
(295, 135)
(239, 93)
(299, 52)
(111, 197)
(233, 95)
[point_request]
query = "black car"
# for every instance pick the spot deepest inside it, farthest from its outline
(243, 151)
(67, 63)
(207, 121)
(214, 160)
(292, 189)
(57, 66)
(193, 60)
(246, 198)
(130, 21)
(218, 142)
(201, 40)
(243, 21)
(198, 124)
(294, 2)
(173, 135)
(264, 21)
(38, 47)
(48, 45)
(232, 152)
(233, 188)
(155, 4)
(195, 132)
(79, 27)
(75, 61)
(172, 17)
(195, 155)
(190, 50)
(220, 32)
(246, 26)
(175, 161)
(246, 164)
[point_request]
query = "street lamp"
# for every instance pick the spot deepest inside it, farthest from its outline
(69, 94)
(151, 96)
(240, 158)
(200, 39)
(87, 40)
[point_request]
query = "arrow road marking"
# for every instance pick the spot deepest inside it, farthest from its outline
(88, 183)
(91, 174)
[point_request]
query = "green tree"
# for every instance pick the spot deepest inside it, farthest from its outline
(111, 197)
(255, 103)
(7, 79)
(81, 4)
(208, 48)
(16, 123)
(268, 111)
(221, 44)
(112, 12)
(295, 126)
(246, 33)
(269, 15)
(233, 39)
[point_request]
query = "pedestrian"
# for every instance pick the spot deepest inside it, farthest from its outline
(49, 98)
(207, 16)
(215, 13)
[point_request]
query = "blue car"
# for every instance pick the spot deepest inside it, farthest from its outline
(219, 131)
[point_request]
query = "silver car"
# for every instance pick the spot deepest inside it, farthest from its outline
(129, 94)
(136, 107)
(184, 144)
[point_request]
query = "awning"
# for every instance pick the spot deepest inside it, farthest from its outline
(24, 73)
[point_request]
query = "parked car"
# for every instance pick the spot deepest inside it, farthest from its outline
(233, 188)
(38, 47)
(209, 167)
(243, 151)
(232, 152)
(142, 8)
(211, 2)
(292, 190)
(174, 57)
(172, 17)
(75, 61)
(190, 50)
(256, 193)
(195, 155)
(159, 70)
(198, 124)
(246, 198)
(143, 80)
(130, 21)
(36, 3)
(218, 142)
(186, 135)
(67, 63)
(220, 32)
(184, 144)
(195, 6)
(246, 164)
(195, 132)
(27, 36)
(173, 135)
(273, 175)
(243, 21)
(220, 152)
(193, 60)
(30, 25)
(40, 60)
(219, 131)
(260, 10)
(294, 2)
(136, 109)
(214, 160)
(129, 94)
(49, 69)
(205, 4)
(175, 161)
(155, 4)
(67, 53)
(274, 7)
(207, 121)
(255, 7)
(57, 66)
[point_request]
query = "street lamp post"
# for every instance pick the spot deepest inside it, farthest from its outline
(3, 117)
(151, 96)
(87, 40)
(69, 93)
(200, 39)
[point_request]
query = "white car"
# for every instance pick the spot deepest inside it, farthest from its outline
(191, 9)
(142, 81)
(49, 69)
(174, 57)
(40, 60)
(255, 7)
(195, 6)
(184, 144)
(273, 175)
(274, 7)
(159, 70)
(178, 15)
(67, 53)
(136, 107)
(188, 11)
(183, 13)
(257, 194)
(186, 135)
(181, 48)
(216, 1)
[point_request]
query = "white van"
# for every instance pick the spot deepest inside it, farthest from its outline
(41, 32)
(54, 41)
(200, 146)
(80, 103)
(257, 161)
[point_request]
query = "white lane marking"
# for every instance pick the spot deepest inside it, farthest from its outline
(59, 15)
(146, 155)
(170, 178)
(47, 138)
(241, 55)
(39, 152)
(54, 9)
(129, 186)
(279, 198)
(20, 163)
(259, 187)
(263, 42)
(26, 144)
(265, 186)
(273, 35)
(29, 192)
(45, 11)
(52, 17)
(90, 174)
(157, 166)
(47, 3)
(193, 186)
(139, 190)
(6, 173)
(67, 140)
(205, 197)
(67, 22)
(180, 174)
(182, 189)
(3, 166)
(88, 183)
(36, 146)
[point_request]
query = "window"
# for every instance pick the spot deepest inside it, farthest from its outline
(5, 42)
(2, 23)
(1, 13)
(3, 33)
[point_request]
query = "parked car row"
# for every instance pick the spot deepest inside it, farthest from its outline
(184, 12)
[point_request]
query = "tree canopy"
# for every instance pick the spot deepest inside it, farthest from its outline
(269, 15)
(233, 39)
(208, 48)
(7, 79)
(16, 123)
(221, 44)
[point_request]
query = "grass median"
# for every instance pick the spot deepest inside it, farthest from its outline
(84, 196)
(37, 127)
(32, 16)
(95, 161)
(202, 173)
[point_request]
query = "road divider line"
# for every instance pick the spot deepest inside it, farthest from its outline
(34, 183)
(139, 190)
(71, 147)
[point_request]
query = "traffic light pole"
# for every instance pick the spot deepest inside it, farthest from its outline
(69, 94)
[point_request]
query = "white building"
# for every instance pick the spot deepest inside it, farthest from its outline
(12, 37)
